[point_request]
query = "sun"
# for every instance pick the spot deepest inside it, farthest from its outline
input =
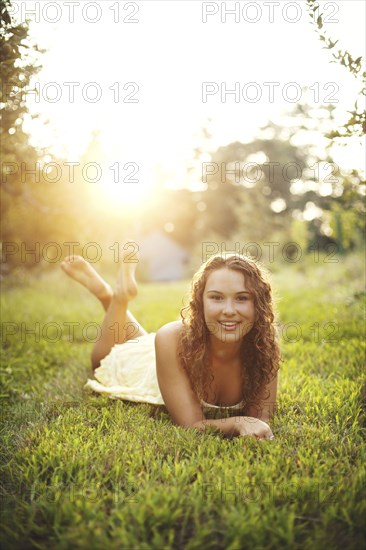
(122, 195)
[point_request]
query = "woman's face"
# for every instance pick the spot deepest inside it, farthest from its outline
(228, 305)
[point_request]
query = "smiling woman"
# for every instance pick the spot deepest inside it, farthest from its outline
(229, 347)
(223, 355)
(228, 306)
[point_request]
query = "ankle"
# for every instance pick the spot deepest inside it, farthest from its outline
(119, 296)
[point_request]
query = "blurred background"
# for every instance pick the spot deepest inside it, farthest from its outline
(116, 128)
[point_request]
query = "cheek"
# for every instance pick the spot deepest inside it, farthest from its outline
(208, 310)
(248, 310)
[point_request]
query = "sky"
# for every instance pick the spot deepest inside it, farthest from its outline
(148, 74)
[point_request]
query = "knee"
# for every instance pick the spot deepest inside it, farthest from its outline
(95, 360)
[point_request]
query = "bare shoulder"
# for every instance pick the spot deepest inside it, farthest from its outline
(169, 333)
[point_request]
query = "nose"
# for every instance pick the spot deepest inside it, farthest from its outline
(229, 308)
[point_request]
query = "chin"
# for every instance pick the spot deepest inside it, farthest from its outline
(229, 338)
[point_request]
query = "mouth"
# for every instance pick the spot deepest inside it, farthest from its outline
(229, 325)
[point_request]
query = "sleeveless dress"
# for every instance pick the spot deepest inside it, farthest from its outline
(128, 372)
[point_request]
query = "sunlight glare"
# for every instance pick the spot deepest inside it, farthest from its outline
(116, 196)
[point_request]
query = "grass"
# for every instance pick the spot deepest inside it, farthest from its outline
(84, 471)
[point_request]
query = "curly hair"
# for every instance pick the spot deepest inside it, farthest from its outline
(259, 350)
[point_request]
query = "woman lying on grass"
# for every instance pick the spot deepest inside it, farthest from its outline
(223, 355)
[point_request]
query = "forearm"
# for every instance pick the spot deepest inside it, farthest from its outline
(264, 412)
(264, 418)
(228, 426)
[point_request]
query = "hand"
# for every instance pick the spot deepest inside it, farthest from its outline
(248, 425)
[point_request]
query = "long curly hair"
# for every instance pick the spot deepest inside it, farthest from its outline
(259, 350)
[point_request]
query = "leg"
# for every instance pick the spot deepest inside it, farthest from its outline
(118, 325)
(79, 269)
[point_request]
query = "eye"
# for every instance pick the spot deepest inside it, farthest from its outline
(243, 298)
(215, 297)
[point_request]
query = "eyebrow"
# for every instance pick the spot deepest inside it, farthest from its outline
(219, 292)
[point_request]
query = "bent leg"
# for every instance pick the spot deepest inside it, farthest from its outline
(84, 273)
(118, 325)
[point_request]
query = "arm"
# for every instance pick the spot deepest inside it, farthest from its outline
(238, 426)
(228, 426)
(265, 407)
(183, 405)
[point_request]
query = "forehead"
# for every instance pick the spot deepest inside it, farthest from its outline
(224, 279)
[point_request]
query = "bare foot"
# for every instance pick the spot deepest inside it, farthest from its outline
(81, 271)
(126, 286)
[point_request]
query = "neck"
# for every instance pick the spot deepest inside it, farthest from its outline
(220, 351)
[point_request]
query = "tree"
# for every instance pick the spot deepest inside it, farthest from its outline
(18, 64)
(356, 124)
(25, 199)
(266, 187)
(348, 208)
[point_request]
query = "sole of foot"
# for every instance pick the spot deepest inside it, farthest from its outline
(81, 271)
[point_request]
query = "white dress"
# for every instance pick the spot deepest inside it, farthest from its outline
(129, 372)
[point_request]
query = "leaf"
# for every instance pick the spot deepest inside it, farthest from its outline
(319, 22)
(7, 18)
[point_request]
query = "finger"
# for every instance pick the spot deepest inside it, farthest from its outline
(268, 435)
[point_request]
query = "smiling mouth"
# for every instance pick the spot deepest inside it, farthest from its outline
(229, 324)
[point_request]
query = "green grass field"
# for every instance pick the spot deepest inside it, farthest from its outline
(84, 471)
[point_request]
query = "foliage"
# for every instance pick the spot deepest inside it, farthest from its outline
(356, 124)
(83, 471)
(18, 65)
(19, 62)
(21, 201)
(45, 210)
(279, 179)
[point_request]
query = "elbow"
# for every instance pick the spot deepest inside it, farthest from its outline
(198, 425)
